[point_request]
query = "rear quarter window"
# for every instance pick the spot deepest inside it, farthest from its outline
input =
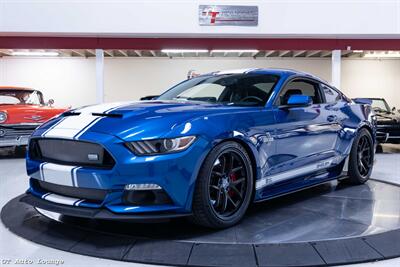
(331, 95)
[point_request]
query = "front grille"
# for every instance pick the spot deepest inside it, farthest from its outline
(16, 131)
(93, 195)
(70, 152)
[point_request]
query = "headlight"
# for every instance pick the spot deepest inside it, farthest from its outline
(160, 146)
(3, 116)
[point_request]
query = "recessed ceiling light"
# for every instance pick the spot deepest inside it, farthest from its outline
(178, 51)
(234, 51)
(387, 54)
(35, 53)
(358, 51)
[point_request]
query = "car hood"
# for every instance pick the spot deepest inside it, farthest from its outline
(147, 119)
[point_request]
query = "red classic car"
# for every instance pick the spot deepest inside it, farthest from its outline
(21, 111)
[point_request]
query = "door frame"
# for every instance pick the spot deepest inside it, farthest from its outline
(299, 77)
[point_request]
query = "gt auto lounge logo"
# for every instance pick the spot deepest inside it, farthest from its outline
(224, 15)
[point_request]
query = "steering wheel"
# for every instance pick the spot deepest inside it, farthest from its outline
(244, 99)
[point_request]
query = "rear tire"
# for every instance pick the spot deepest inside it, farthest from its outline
(361, 158)
(223, 187)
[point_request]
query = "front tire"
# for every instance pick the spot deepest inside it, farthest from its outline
(361, 158)
(224, 187)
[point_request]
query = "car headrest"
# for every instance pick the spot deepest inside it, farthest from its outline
(288, 93)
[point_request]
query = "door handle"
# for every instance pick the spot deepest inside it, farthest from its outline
(332, 118)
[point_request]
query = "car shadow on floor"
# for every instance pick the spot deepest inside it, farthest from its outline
(11, 153)
(390, 148)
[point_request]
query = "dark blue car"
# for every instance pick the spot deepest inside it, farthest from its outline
(206, 148)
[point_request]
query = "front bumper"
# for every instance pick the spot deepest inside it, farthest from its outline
(17, 141)
(96, 213)
(382, 137)
(175, 173)
(16, 134)
(391, 130)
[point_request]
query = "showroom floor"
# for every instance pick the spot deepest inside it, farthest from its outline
(13, 181)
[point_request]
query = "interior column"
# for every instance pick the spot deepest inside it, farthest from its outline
(99, 76)
(336, 65)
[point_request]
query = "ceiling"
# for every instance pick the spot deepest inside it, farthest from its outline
(87, 53)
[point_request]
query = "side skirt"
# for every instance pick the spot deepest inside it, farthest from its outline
(341, 177)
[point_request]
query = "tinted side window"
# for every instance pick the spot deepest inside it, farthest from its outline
(300, 87)
(331, 96)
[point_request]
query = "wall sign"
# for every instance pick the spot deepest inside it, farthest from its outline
(224, 15)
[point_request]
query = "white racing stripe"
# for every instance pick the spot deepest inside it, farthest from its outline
(272, 179)
(62, 199)
(57, 174)
(236, 71)
(75, 177)
(72, 127)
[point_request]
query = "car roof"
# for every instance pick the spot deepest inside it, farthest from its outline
(272, 71)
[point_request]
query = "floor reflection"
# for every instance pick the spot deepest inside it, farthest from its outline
(329, 211)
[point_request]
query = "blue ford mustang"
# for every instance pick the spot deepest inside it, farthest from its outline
(206, 148)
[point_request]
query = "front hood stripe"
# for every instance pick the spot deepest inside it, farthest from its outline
(73, 127)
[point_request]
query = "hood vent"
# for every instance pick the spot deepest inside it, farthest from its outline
(67, 114)
(107, 115)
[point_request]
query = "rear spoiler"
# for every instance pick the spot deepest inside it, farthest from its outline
(362, 101)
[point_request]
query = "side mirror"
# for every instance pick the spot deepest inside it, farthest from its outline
(149, 97)
(299, 101)
(394, 109)
(50, 102)
(362, 101)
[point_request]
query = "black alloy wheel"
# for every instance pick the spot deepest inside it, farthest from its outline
(364, 156)
(224, 186)
(361, 158)
(227, 184)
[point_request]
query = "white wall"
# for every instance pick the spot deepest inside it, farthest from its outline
(127, 78)
(330, 18)
(71, 81)
(372, 78)
(68, 81)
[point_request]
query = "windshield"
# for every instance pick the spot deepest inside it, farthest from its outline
(380, 105)
(231, 89)
(20, 97)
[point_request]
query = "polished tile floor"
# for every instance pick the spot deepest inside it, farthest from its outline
(13, 182)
